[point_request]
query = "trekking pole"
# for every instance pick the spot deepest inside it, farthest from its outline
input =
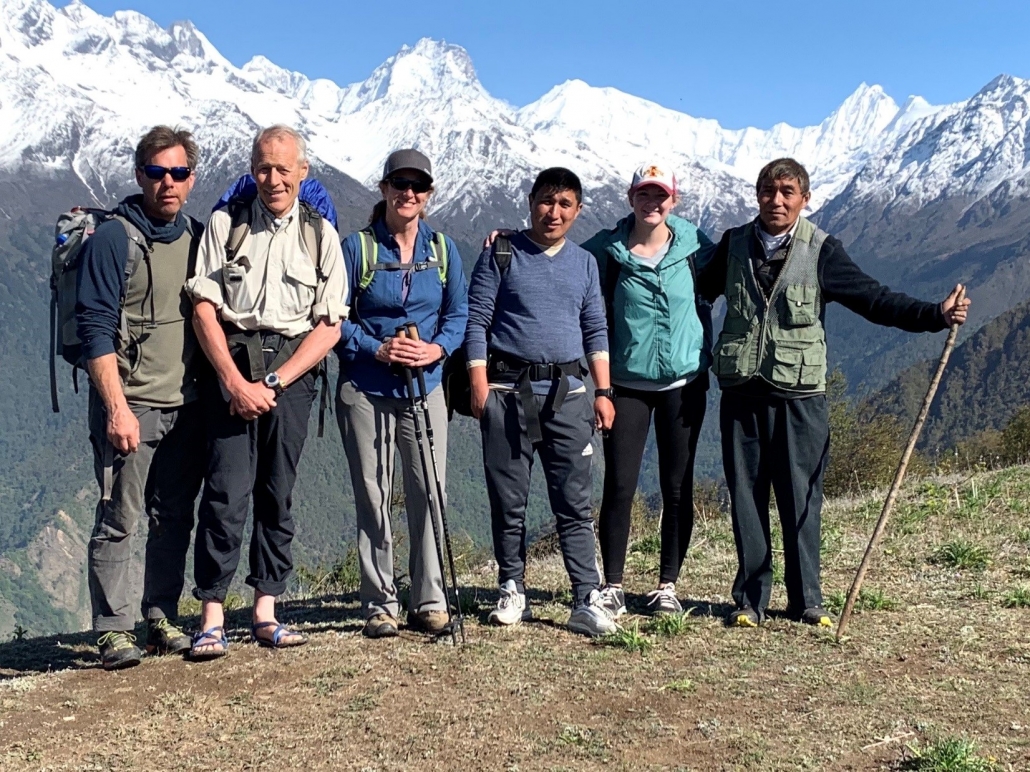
(413, 398)
(895, 488)
(412, 330)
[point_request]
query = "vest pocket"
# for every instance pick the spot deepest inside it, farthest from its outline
(787, 365)
(732, 353)
(800, 301)
(813, 365)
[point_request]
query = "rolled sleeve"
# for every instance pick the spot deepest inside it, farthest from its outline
(206, 283)
(331, 292)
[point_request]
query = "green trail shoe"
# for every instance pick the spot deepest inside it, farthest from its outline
(118, 650)
(163, 637)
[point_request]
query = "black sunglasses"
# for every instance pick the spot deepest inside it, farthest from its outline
(403, 183)
(177, 173)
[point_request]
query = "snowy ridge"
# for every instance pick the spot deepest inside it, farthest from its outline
(77, 89)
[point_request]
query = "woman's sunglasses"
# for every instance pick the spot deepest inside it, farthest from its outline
(415, 186)
(177, 173)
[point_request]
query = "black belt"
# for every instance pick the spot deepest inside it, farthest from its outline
(506, 369)
(257, 342)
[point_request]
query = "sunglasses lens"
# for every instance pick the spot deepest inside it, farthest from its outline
(402, 184)
(177, 173)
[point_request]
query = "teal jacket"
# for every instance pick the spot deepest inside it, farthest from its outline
(659, 329)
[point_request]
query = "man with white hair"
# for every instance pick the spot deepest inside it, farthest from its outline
(269, 295)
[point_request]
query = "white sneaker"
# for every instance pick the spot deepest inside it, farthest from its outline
(614, 600)
(664, 600)
(511, 608)
(592, 618)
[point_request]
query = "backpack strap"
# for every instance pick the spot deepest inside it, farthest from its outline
(370, 259)
(438, 246)
(140, 248)
(502, 253)
(239, 215)
(311, 233)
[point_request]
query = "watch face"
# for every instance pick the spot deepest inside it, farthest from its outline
(272, 380)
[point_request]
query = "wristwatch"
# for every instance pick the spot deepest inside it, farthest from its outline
(609, 392)
(273, 382)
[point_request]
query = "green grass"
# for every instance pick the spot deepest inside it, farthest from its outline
(962, 554)
(868, 600)
(1017, 598)
(680, 686)
(628, 638)
(670, 625)
(951, 754)
(648, 545)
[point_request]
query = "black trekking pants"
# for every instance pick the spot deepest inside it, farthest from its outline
(678, 415)
(246, 458)
(785, 443)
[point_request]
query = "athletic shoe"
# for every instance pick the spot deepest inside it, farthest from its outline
(745, 617)
(163, 637)
(511, 607)
(817, 616)
(380, 626)
(118, 650)
(433, 622)
(614, 600)
(664, 601)
(592, 617)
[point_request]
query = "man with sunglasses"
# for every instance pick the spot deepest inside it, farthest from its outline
(148, 445)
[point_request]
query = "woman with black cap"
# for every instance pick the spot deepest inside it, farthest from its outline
(401, 272)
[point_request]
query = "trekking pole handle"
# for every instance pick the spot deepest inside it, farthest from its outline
(412, 330)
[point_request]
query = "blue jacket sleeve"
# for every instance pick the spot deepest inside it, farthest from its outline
(592, 317)
(357, 344)
(454, 312)
(100, 288)
(482, 297)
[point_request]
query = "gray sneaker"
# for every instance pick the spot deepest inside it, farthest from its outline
(614, 600)
(664, 601)
(511, 607)
(592, 617)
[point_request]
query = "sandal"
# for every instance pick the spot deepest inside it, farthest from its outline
(213, 636)
(276, 641)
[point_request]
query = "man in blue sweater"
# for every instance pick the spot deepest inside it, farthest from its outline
(144, 425)
(531, 322)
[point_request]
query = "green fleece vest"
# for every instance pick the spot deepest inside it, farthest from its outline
(157, 344)
(787, 346)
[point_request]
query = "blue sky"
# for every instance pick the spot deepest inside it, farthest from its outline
(741, 62)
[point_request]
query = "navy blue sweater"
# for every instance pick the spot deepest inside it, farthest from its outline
(544, 310)
(101, 277)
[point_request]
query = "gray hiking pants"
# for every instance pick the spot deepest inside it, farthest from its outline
(162, 479)
(374, 428)
(565, 454)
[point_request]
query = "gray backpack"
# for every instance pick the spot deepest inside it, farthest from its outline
(71, 232)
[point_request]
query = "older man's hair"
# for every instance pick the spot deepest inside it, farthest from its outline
(279, 131)
(161, 138)
(781, 169)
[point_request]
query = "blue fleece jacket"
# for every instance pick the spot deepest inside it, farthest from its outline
(440, 310)
(544, 309)
(101, 276)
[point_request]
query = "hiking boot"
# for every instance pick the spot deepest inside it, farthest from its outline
(592, 617)
(433, 622)
(511, 607)
(817, 616)
(118, 650)
(745, 617)
(380, 626)
(164, 637)
(614, 600)
(664, 601)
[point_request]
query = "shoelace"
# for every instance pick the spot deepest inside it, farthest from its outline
(167, 627)
(656, 596)
(610, 594)
(117, 639)
(597, 601)
(507, 599)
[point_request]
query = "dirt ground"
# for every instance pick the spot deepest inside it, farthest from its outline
(940, 650)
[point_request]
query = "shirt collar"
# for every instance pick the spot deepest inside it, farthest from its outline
(278, 222)
(384, 237)
(771, 243)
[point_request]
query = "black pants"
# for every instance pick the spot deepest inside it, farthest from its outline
(785, 443)
(678, 416)
(565, 454)
(256, 457)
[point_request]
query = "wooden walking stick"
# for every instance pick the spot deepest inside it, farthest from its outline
(895, 488)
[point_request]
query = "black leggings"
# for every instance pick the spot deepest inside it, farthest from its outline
(677, 420)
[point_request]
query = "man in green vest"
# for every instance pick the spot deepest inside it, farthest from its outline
(778, 273)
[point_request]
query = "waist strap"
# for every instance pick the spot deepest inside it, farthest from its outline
(505, 369)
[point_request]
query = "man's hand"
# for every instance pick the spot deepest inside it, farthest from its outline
(480, 390)
(955, 312)
(604, 413)
(489, 240)
(409, 353)
(123, 429)
(249, 400)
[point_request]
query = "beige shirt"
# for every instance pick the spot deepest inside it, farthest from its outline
(272, 284)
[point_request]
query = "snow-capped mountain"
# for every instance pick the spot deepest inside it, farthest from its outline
(77, 88)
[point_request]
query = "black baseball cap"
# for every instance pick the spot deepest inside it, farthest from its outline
(407, 159)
